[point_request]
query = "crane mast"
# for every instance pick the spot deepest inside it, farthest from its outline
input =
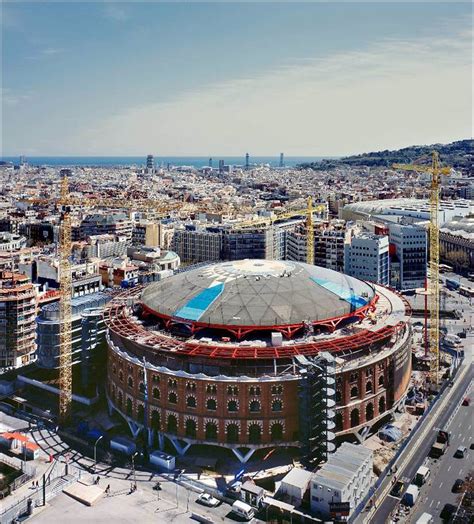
(433, 269)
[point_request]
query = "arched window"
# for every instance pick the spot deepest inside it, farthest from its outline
(381, 405)
(355, 419)
(129, 407)
(155, 420)
(255, 433)
(211, 431)
(120, 399)
(232, 433)
(354, 391)
(254, 406)
(381, 381)
(339, 421)
(190, 428)
(156, 393)
(130, 382)
(141, 388)
(354, 377)
(257, 391)
(211, 404)
(172, 397)
(140, 413)
(211, 388)
(277, 405)
(369, 411)
(191, 402)
(190, 386)
(172, 424)
(277, 390)
(368, 387)
(156, 379)
(232, 405)
(120, 376)
(338, 396)
(172, 383)
(276, 432)
(232, 390)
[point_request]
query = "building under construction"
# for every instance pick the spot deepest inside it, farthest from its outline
(17, 320)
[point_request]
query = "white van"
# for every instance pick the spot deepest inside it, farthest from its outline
(243, 510)
(422, 475)
(425, 518)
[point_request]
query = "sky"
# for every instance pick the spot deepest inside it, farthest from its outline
(192, 78)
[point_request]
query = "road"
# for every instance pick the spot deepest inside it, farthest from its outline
(415, 453)
(447, 469)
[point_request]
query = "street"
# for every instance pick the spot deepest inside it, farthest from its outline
(447, 469)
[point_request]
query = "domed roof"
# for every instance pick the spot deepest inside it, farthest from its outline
(256, 293)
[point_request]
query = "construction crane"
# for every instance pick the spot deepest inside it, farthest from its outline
(433, 277)
(308, 212)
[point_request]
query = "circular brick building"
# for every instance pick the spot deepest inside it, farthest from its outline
(213, 355)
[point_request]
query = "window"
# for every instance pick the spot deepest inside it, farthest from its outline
(172, 424)
(114, 369)
(381, 405)
(338, 396)
(211, 388)
(277, 405)
(254, 406)
(130, 382)
(156, 393)
(232, 405)
(355, 419)
(129, 407)
(141, 388)
(354, 392)
(172, 383)
(255, 433)
(254, 390)
(191, 402)
(232, 390)
(140, 413)
(369, 411)
(381, 381)
(232, 433)
(156, 378)
(211, 404)
(211, 431)
(354, 377)
(121, 376)
(276, 432)
(172, 397)
(368, 387)
(155, 420)
(190, 386)
(277, 390)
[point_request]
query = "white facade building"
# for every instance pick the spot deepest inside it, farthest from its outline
(366, 256)
(346, 477)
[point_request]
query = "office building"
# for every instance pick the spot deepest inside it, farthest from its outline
(366, 256)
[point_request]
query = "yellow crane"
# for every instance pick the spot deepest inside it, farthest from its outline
(433, 278)
(308, 212)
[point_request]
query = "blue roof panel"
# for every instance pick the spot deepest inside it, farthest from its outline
(342, 292)
(196, 307)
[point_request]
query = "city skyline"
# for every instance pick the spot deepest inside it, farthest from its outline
(183, 79)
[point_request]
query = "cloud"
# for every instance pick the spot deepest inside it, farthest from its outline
(393, 94)
(12, 98)
(116, 12)
(46, 52)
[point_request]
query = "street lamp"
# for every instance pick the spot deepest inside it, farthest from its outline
(133, 469)
(95, 451)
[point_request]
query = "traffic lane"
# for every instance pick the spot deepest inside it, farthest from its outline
(387, 506)
(446, 470)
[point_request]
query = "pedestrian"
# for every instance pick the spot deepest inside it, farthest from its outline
(107, 489)
(97, 480)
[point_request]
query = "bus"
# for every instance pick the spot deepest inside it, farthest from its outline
(444, 268)
(466, 291)
(452, 284)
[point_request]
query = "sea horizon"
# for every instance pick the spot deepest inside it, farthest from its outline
(160, 161)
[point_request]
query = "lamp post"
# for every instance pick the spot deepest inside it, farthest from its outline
(95, 451)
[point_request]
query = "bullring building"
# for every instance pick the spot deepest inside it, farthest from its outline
(220, 355)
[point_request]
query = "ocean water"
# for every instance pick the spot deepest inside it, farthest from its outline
(196, 161)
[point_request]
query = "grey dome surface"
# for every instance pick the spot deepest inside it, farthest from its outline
(257, 293)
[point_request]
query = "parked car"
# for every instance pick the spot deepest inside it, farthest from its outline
(460, 452)
(447, 511)
(207, 500)
(457, 486)
(466, 401)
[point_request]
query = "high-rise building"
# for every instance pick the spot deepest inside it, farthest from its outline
(150, 164)
(282, 160)
(366, 256)
(17, 320)
(247, 164)
(409, 258)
